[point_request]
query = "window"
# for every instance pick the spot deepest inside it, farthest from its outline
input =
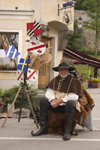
(7, 39)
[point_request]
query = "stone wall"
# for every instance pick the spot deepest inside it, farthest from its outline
(88, 35)
(78, 13)
(90, 39)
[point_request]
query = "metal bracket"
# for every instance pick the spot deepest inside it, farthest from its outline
(65, 6)
(59, 9)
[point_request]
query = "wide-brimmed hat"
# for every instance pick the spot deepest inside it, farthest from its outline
(63, 65)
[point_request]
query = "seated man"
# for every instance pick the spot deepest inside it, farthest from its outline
(61, 95)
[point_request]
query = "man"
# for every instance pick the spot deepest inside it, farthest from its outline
(61, 95)
(95, 72)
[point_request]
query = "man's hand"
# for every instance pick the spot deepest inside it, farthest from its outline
(56, 102)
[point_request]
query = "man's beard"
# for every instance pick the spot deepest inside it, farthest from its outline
(63, 76)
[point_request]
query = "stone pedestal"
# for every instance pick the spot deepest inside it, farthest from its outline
(85, 84)
(9, 106)
(95, 84)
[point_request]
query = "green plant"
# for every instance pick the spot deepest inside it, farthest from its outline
(83, 86)
(79, 6)
(1, 92)
(87, 74)
(9, 95)
(93, 11)
(75, 41)
(84, 70)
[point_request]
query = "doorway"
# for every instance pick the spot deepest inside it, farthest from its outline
(44, 71)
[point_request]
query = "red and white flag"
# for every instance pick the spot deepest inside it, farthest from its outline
(20, 75)
(37, 49)
(33, 29)
(31, 74)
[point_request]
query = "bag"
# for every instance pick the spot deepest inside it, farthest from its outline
(83, 100)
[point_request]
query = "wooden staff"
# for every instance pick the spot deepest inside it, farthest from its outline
(33, 60)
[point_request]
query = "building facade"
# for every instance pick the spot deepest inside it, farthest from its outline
(14, 16)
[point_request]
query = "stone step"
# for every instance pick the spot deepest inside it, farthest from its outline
(41, 93)
(41, 90)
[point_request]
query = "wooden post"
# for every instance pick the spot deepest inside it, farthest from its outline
(21, 106)
(33, 60)
(31, 109)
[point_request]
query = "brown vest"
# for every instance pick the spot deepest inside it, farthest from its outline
(67, 85)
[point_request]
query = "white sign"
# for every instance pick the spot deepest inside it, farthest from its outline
(31, 74)
(37, 49)
(2, 53)
(20, 75)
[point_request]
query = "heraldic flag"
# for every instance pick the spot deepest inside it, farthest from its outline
(20, 75)
(37, 49)
(23, 64)
(33, 29)
(12, 52)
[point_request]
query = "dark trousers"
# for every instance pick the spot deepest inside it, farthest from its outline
(69, 106)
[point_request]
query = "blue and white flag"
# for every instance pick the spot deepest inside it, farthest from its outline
(23, 64)
(12, 52)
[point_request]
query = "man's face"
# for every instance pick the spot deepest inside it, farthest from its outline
(63, 72)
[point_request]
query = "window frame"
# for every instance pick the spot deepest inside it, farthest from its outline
(19, 32)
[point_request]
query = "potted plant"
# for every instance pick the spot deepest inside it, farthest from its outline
(9, 95)
(95, 83)
(86, 76)
(1, 92)
(2, 104)
(7, 67)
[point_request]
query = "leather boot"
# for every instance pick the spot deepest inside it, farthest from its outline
(68, 125)
(43, 124)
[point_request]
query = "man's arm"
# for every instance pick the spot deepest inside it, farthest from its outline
(56, 102)
(51, 98)
(70, 96)
(50, 94)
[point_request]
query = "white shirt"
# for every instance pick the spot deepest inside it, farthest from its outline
(50, 95)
